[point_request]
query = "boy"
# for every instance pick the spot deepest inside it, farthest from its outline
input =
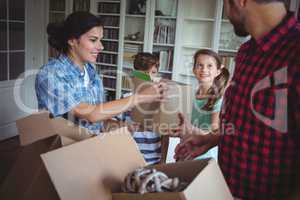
(150, 144)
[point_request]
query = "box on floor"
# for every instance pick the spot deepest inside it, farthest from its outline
(94, 168)
(28, 178)
(103, 162)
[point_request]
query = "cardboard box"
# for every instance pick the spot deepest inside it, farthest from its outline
(94, 168)
(159, 117)
(39, 126)
(204, 177)
(28, 178)
(90, 169)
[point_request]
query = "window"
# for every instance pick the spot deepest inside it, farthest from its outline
(12, 39)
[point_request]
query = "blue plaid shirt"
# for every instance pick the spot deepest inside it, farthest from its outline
(60, 87)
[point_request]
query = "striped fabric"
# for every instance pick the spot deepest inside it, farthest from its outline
(149, 144)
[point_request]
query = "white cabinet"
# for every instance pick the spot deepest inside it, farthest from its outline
(202, 25)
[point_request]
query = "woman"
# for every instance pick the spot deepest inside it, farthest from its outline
(70, 84)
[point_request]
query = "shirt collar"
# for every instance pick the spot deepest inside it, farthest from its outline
(65, 59)
(267, 41)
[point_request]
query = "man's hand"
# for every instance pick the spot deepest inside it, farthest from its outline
(195, 145)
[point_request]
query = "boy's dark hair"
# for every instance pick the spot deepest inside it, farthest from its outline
(218, 87)
(144, 61)
(74, 26)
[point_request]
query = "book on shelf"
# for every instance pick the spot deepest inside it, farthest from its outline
(165, 59)
(135, 48)
(229, 63)
(110, 34)
(126, 82)
(110, 46)
(104, 7)
(110, 20)
(164, 32)
(107, 58)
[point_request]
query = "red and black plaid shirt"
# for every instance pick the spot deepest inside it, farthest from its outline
(260, 156)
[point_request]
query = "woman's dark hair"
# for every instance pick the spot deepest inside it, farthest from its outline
(144, 61)
(218, 87)
(74, 26)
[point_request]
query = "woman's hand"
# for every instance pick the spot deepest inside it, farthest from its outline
(154, 92)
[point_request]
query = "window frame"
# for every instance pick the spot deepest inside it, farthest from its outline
(8, 82)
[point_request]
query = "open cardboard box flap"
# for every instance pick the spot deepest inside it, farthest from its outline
(90, 169)
(39, 126)
(94, 168)
(28, 178)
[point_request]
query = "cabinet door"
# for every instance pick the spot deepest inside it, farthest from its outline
(107, 61)
(57, 13)
(164, 34)
(197, 22)
(228, 41)
(135, 36)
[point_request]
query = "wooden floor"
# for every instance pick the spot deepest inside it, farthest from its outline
(9, 150)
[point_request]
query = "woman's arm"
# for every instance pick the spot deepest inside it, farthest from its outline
(104, 111)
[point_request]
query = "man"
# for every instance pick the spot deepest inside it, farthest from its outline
(259, 139)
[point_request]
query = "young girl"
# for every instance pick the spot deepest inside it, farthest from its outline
(212, 78)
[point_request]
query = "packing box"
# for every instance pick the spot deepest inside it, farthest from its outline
(95, 168)
(160, 117)
(40, 125)
(28, 178)
(204, 177)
